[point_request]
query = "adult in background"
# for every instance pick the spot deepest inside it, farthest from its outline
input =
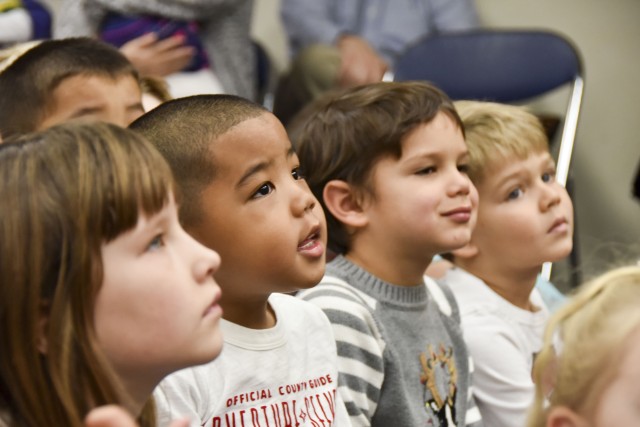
(199, 46)
(344, 43)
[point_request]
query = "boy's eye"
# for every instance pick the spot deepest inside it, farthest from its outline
(263, 190)
(297, 174)
(426, 171)
(548, 176)
(463, 168)
(514, 194)
(156, 243)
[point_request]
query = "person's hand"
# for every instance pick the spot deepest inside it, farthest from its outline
(153, 57)
(360, 64)
(116, 416)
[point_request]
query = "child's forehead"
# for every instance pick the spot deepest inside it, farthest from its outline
(98, 76)
(255, 140)
(506, 164)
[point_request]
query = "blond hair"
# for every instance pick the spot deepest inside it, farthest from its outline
(65, 192)
(584, 343)
(495, 132)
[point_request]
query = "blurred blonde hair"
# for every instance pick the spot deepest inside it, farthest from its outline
(496, 132)
(584, 342)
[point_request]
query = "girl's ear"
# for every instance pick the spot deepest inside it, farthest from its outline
(43, 326)
(344, 205)
(561, 416)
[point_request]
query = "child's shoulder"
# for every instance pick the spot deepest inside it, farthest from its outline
(290, 307)
(334, 288)
(470, 291)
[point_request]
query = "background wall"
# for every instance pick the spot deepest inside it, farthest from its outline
(607, 149)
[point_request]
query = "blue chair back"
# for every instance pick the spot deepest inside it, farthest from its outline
(492, 65)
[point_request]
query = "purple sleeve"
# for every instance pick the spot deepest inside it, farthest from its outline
(41, 19)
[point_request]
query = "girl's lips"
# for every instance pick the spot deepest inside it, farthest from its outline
(213, 310)
(214, 307)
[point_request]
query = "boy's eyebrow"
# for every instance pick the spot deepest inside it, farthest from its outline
(135, 106)
(516, 174)
(259, 167)
(252, 171)
(85, 111)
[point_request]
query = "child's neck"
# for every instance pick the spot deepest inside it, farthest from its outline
(399, 271)
(253, 313)
(513, 285)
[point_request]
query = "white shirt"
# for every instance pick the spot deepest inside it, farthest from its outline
(278, 376)
(503, 341)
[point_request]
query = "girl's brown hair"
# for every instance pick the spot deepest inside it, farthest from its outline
(65, 192)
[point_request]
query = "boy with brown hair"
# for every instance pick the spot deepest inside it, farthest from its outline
(242, 193)
(525, 218)
(68, 80)
(388, 162)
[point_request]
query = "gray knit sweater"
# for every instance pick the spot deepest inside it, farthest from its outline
(402, 359)
(225, 26)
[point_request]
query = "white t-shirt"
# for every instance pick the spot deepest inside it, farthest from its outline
(503, 341)
(285, 375)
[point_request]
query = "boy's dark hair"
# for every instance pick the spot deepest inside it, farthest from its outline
(348, 132)
(184, 131)
(27, 84)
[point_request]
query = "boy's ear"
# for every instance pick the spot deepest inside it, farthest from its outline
(561, 416)
(341, 201)
(467, 251)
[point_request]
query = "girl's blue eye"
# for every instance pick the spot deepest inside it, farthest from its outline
(264, 190)
(427, 171)
(156, 243)
(514, 194)
(296, 173)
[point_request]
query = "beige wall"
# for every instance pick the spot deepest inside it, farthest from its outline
(607, 148)
(608, 141)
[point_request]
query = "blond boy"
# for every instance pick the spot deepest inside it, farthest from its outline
(525, 218)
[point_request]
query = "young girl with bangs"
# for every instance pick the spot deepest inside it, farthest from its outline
(102, 293)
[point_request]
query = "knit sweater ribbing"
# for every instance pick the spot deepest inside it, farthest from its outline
(401, 360)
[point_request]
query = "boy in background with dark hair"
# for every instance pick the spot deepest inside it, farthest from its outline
(64, 80)
(388, 162)
(242, 193)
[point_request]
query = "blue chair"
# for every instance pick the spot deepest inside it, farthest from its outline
(509, 66)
